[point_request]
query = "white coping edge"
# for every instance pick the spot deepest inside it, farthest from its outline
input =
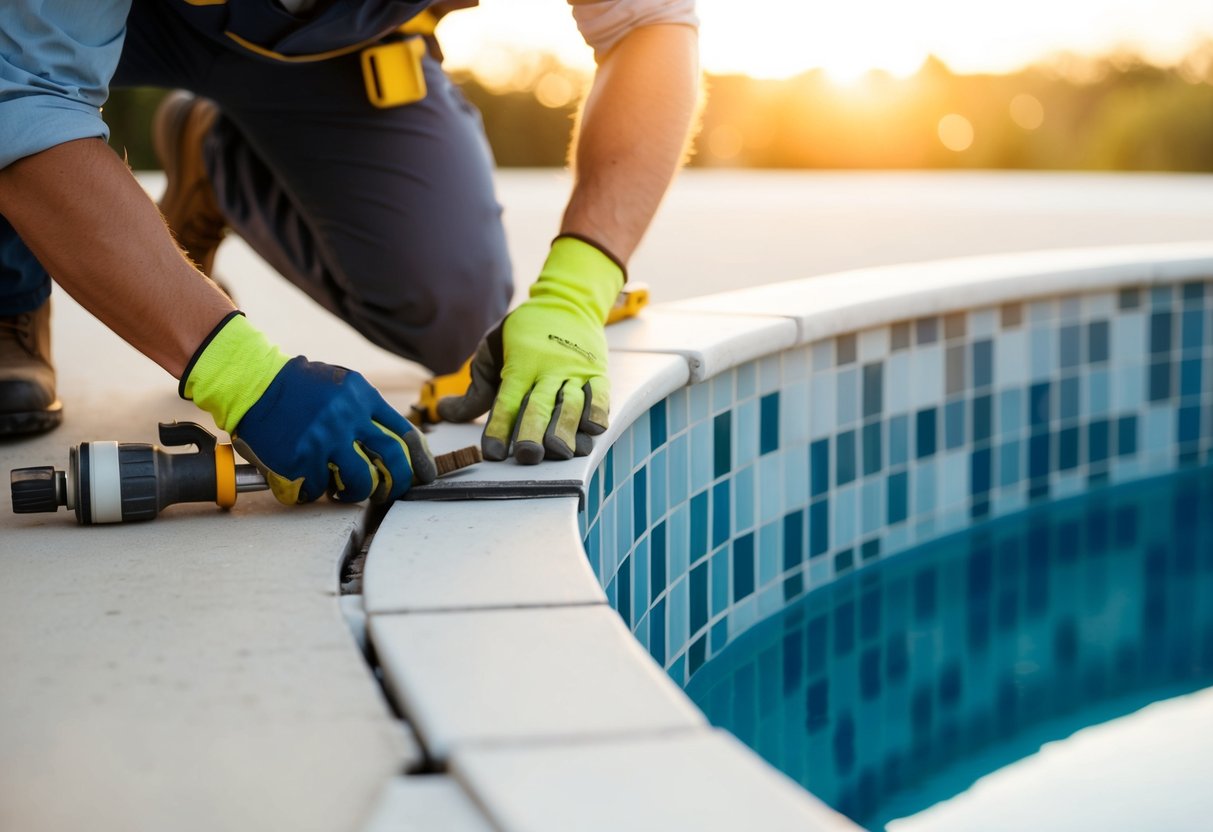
(854, 300)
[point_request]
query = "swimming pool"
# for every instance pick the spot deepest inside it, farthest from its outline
(898, 687)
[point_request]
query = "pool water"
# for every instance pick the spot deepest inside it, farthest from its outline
(897, 687)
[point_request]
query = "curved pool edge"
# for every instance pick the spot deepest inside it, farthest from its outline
(501, 648)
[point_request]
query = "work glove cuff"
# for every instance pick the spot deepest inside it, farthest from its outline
(583, 273)
(230, 370)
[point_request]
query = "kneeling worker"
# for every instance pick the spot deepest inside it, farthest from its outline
(328, 136)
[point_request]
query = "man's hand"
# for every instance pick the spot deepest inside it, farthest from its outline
(311, 428)
(542, 370)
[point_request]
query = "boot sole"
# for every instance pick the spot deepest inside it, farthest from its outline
(37, 421)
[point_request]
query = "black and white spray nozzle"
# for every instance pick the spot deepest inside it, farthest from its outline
(114, 482)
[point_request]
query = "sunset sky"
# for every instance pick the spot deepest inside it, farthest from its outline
(780, 38)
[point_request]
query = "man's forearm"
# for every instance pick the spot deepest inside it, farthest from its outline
(101, 238)
(632, 135)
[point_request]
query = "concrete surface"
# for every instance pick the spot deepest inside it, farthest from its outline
(196, 673)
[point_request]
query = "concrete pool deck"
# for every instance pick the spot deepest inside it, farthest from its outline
(197, 673)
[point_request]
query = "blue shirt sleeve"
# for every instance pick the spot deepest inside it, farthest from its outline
(56, 61)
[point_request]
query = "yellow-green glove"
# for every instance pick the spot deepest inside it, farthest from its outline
(543, 368)
(310, 427)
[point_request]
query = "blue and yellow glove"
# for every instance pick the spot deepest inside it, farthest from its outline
(543, 369)
(310, 428)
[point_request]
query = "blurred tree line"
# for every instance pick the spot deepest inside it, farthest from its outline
(1117, 112)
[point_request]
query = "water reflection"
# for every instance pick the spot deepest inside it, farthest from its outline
(967, 654)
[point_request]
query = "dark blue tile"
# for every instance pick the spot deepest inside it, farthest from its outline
(983, 418)
(1097, 342)
(743, 567)
(843, 561)
(623, 581)
(699, 525)
(1189, 423)
(1039, 448)
(870, 549)
(1126, 436)
(657, 565)
(1160, 332)
(1129, 299)
(1068, 441)
(768, 424)
(899, 440)
(657, 425)
(793, 587)
(696, 654)
(926, 330)
(819, 527)
(608, 467)
(699, 597)
(793, 661)
(640, 502)
(793, 539)
(817, 706)
(844, 457)
(1098, 435)
(819, 466)
(954, 425)
(1193, 337)
(983, 363)
(872, 458)
(657, 632)
(898, 497)
(949, 686)
(1190, 377)
(1160, 380)
(722, 444)
(720, 513)
(1070, 346)
(980, 475)
(1193, 293)
(1039, 408)
(1069, 398)
(925, 429)
(873, 389)
(720, 636)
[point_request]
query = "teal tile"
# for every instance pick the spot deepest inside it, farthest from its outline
(770, 552)
(679, 409)
(747, 380)
(679, 470)
(700, 395)
(723, 393)
(679, 548)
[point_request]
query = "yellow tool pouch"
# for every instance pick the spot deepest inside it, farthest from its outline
(392, 72)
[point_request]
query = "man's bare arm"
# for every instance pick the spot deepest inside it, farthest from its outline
(632, 135)
(88, 221)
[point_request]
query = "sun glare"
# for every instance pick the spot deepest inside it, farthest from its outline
(780, 39)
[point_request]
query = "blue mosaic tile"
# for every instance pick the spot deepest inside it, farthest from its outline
(873, 460)
(925, 428)
(899, 440)
(743, 567)
(657, 426)
(657, 562)
(844, 457)
(770, 551)
(640, 503)
(769, 431)
(743, 500)
(699, 597)
(699, 525)
(848, 396)
(819, 466)
(819, 527)
(954, 425)
(722, 444)
(658, 469)
(1097, 342)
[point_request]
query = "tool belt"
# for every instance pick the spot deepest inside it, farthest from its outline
(391, 64)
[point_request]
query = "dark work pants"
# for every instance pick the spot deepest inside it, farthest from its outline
(386, 217)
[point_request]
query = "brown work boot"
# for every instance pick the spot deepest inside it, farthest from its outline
(27, 379)
(182, 121)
